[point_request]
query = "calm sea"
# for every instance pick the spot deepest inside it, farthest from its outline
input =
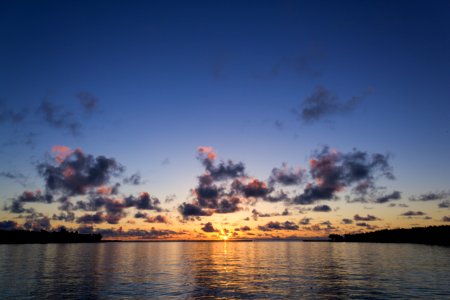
(183, 270)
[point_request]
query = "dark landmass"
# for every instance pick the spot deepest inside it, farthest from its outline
(433, 235)
(177, 241)
(315, 240)
(44, 237)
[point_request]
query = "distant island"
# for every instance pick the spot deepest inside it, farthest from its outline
(433, 235)
(44, 237)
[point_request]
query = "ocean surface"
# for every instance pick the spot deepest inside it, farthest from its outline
(224, 270)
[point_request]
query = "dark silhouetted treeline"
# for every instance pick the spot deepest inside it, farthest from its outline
(43, 237)
(433, 235)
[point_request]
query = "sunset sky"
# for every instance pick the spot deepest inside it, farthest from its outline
(204, 119)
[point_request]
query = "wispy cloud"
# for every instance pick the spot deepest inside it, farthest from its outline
(413, 213)
(322, 208)
(88, 101)
(431, 196)
(15, 176)
(323, 103)
(287, 225)
(368, 218)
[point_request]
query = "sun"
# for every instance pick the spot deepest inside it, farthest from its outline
(224, 237)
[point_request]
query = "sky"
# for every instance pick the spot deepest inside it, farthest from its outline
(224, 119)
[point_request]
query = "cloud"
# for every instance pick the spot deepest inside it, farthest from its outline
(16, 176)
(325, 227)
(170, 198)
(323, 103)
(157, 219)
(444, 204)
(112, 210)
(430, 196)
(277, 197)
(221, 171)
(256, 214)
(37, 196)
(60, 153)
(209, 196)
(8, 115)
(8, 225)
(37, 222)
(189, 210)
(286, 176)
(314, 193)
(244, 228)
(57, 117)
(347, 221)
(140, 233)
(278, 125)
(27, 197)
(21, 138)
(94, 203)
(226, 170)
(228, 205)
(413, 213)
(364, 224)
(288, 225)
(446, 219)
(396, 195)
(305, 221)
(52, 114)
(96, 218)
(17, 208)
(327, 223)
(207, 193)
(77, 173)
(209, 228)
(368, 218)
(140, 215)
(134, 179)
(254, 188)
(322, 208)
(64, 216)
(88, 101)
(332, 172)
(206, 154)
(143, 201)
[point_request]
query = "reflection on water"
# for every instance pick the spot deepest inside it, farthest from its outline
(224, 270)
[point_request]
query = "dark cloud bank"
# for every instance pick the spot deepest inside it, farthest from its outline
(224, 187)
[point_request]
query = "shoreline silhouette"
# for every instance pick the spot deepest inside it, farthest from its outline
(44, 237)
(432, 235)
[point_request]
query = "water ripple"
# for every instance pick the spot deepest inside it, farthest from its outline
(258, 270)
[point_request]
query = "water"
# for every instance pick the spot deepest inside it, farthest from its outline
(256, 270)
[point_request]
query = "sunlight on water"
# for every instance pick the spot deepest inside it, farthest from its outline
(224, 270)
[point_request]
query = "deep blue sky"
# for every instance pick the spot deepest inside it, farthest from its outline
(170, 76)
